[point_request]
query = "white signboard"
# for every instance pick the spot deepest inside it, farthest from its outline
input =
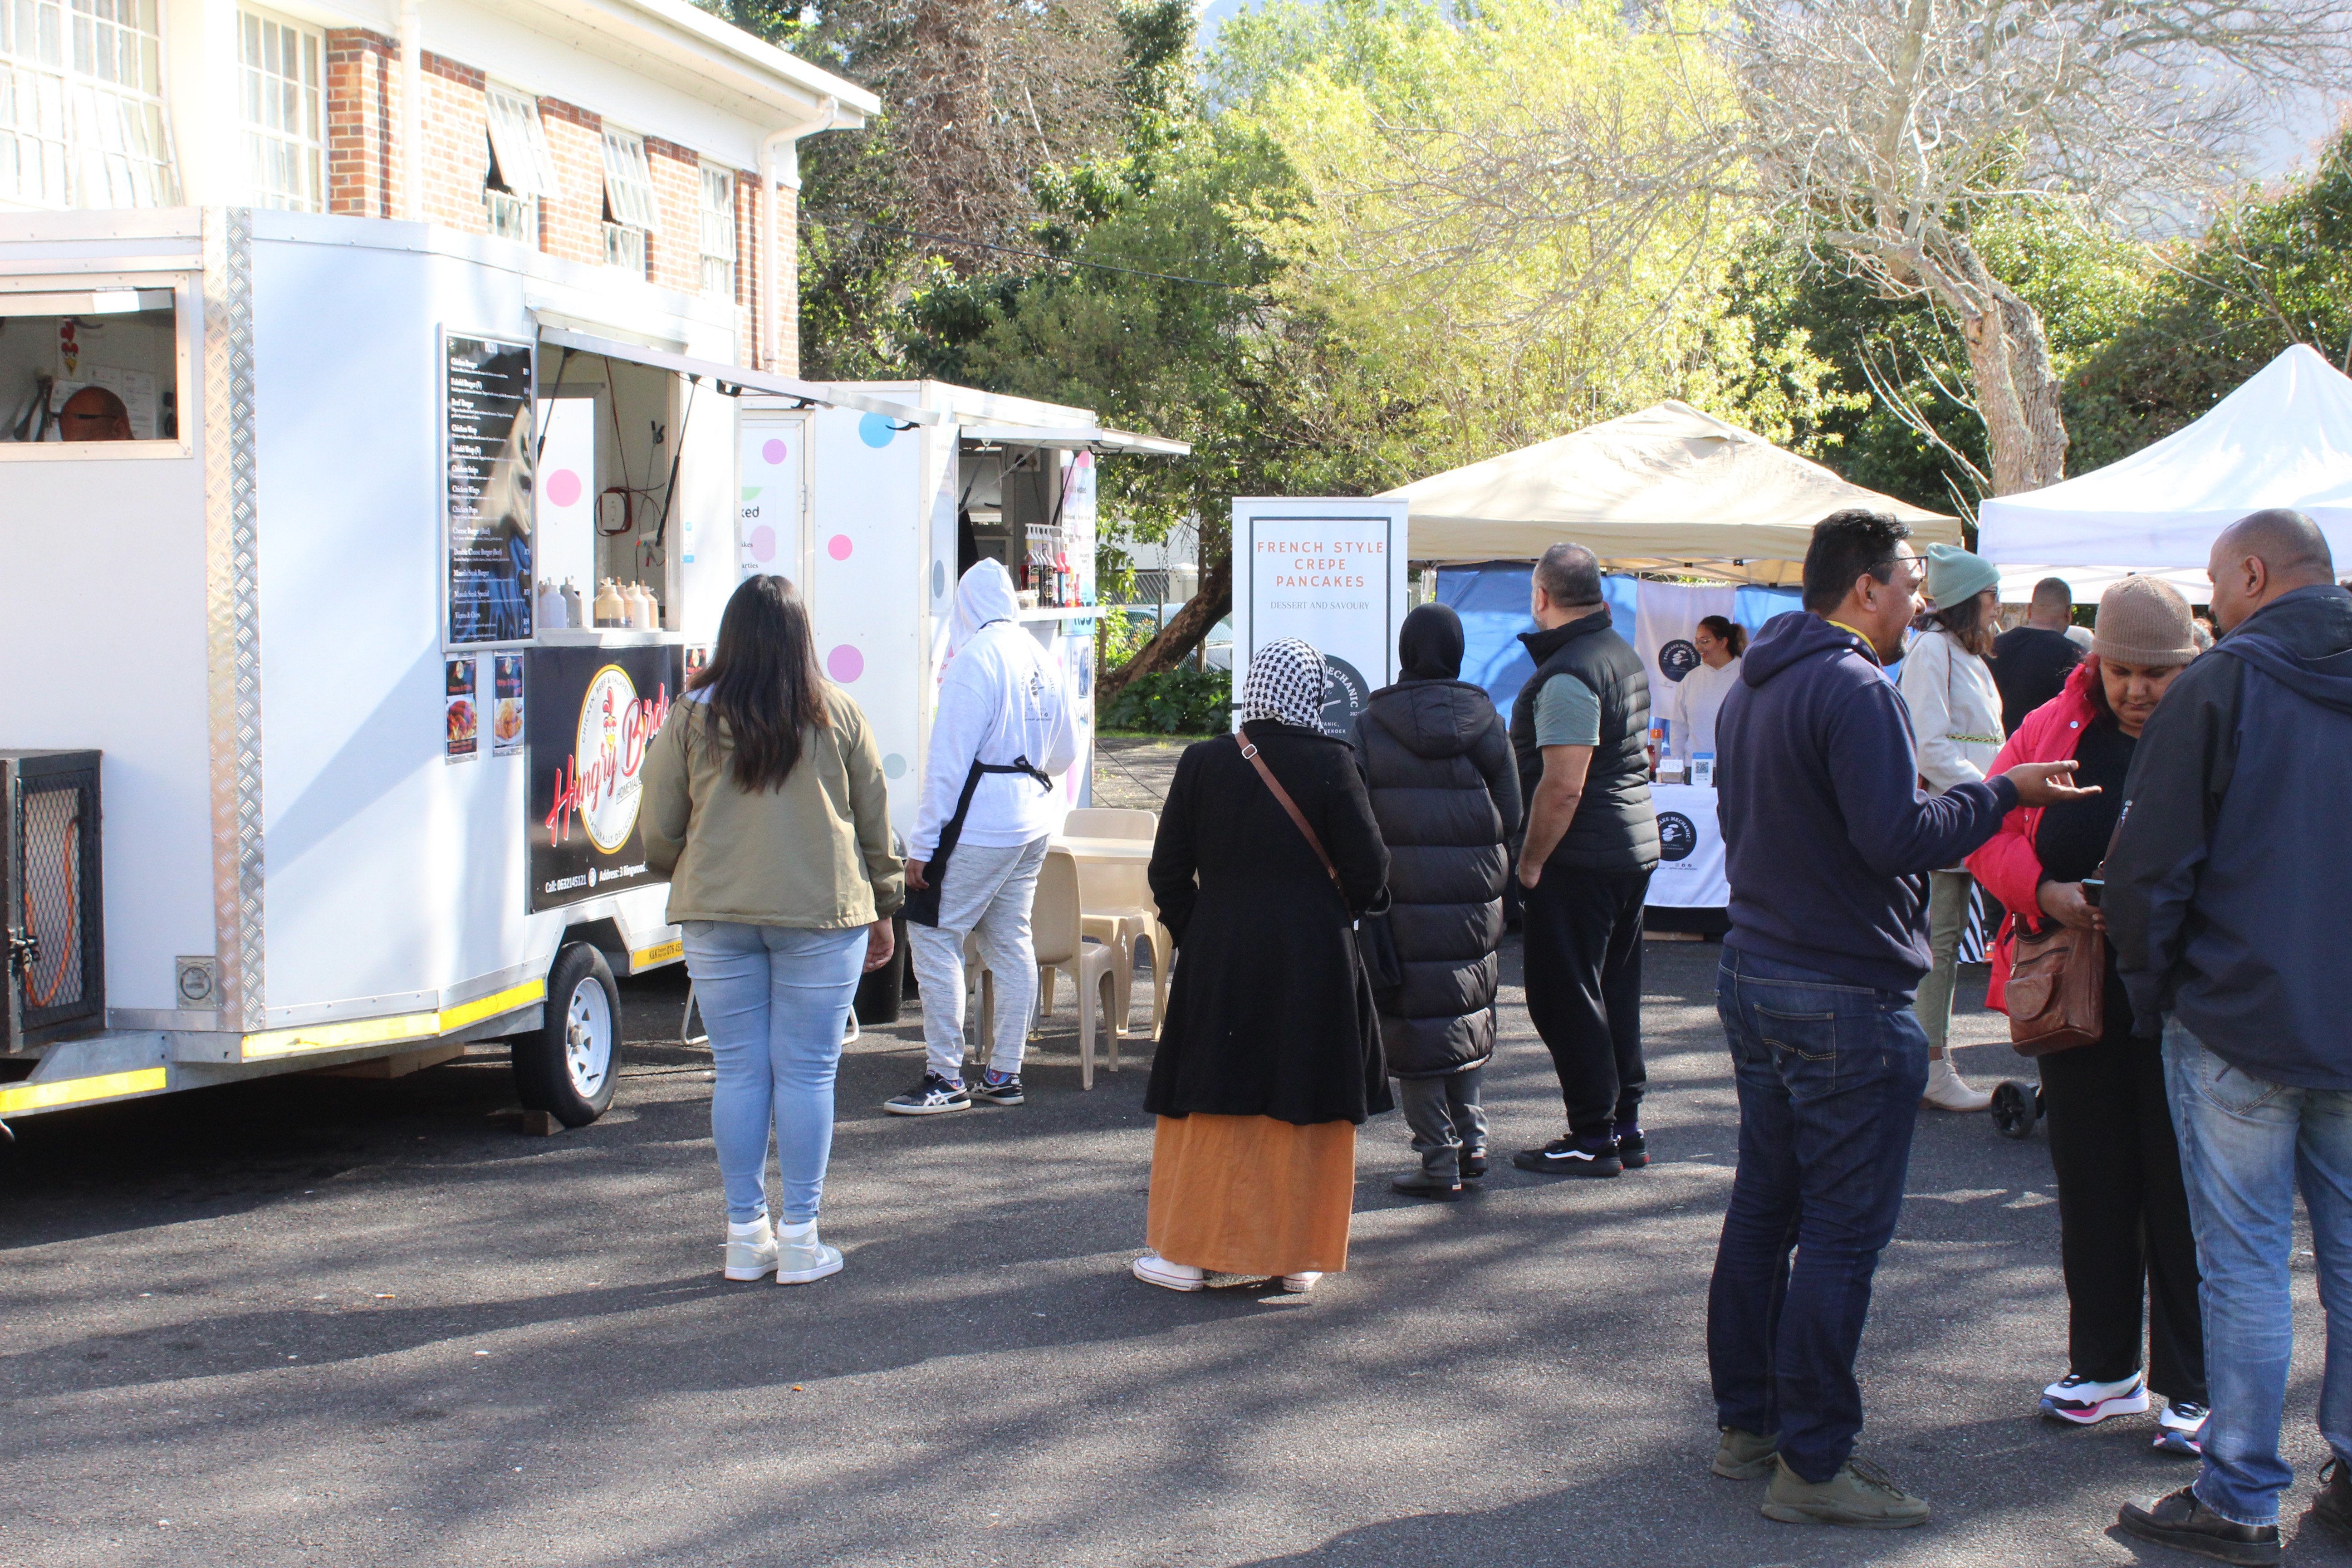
(1690, 850)
(1330, 572)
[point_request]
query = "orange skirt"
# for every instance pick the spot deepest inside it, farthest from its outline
(1251, 1195)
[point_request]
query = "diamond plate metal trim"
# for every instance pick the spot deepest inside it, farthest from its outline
(232, 614)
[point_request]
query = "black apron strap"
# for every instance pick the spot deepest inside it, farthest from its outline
(922, 905)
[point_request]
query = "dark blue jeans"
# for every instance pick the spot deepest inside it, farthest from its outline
(1829, 1076)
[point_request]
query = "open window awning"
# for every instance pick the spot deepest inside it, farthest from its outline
(1083, 437)
(813, 393)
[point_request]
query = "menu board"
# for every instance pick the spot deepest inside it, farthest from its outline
(485, 413)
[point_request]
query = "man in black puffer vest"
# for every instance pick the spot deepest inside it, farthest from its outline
(1445, 791)
(1581, 730)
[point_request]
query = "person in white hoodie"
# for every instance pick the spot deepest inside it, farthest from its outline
(1956, 723)
(1005, 726)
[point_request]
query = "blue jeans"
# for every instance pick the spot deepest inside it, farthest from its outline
(2245, 1144)
(1829, 1076)
(776, 1002)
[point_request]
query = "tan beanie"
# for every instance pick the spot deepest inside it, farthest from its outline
(2144, 621)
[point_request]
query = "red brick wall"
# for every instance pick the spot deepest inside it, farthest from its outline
(573, 225)
(361, 120)
(457, 143)
(674, 250)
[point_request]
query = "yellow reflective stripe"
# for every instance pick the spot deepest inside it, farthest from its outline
(74, 1091)
(382, 1031)
(663, 952)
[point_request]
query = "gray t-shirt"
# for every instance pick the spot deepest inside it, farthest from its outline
(1568, 713)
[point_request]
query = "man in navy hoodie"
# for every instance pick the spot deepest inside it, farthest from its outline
(2224, 901)
(1828, 844)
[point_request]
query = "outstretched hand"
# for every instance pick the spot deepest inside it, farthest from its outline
(2046, 784)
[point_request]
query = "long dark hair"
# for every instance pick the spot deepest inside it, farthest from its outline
(1967, 622)
(1728, 632)
(763, 682)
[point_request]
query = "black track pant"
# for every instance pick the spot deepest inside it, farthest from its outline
(1583, 934)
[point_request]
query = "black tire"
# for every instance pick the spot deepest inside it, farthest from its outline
(569, 1066)
(880, 993)
(2016, 1107)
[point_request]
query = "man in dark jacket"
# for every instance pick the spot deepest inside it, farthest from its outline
(1828, 843)
(2224, 888)
(1580, 727)
(2030, 663)
(1445, 791)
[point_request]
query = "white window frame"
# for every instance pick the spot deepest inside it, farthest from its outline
(187, 295)
(83, 105)
(274, 149)
(720, 189)
(519, 140)
(629, 180)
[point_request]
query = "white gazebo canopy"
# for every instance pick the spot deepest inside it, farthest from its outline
(2282, 440)
(1667, 489)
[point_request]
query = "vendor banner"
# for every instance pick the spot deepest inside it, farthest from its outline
(591, 714)
(1665, 619)
(1332, 573)
(1690, 874)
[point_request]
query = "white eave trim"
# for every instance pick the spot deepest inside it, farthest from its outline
(815, 394)
(1092, 438)
(639, 24)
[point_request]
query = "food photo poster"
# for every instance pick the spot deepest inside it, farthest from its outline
(462, 732)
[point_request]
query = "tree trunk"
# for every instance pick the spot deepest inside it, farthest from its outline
(1203, 610)
(2008, 361)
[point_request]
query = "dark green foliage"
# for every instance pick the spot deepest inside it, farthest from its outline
(1181, 701)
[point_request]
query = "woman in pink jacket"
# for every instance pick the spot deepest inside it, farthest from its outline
(2123, 1213)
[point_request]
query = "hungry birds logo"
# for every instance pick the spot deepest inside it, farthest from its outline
(601, 781)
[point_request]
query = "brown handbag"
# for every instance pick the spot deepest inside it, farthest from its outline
(2057, 995)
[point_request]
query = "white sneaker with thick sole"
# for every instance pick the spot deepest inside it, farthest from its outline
(751, 1250)
(1300, 1283)
(2181, 1428)
(1154, 1270)
(802, 1257)
(2086, 1404)
(1948, 1090)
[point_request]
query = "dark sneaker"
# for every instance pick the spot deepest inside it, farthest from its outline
(1860, 1496)
(2178, 1521)
(1570, 1157)
(929, 1097)
(2181, 1428)
(1418, 1183)
(1473, 1165)
(999, 1089)
(1745, 1457)
(1632, 1150)
(2334, 1503)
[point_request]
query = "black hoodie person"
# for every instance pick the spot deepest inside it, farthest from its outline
(1444, 788)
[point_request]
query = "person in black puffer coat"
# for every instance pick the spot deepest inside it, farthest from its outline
(1437, 761)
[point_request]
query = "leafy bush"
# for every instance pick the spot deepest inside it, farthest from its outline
(1181, 701)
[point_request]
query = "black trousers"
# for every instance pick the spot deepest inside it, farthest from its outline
(1583, 934)
(2123, 1213)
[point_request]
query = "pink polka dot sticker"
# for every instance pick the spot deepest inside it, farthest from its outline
(764, 543)
(845, 664)
(838, 547)
(564, 487)
(773, 452)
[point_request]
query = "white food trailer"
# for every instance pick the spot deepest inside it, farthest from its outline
(361, 802)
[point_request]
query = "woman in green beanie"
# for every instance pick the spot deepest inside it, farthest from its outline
(1956, 721)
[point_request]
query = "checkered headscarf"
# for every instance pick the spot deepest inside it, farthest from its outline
(1286, 683)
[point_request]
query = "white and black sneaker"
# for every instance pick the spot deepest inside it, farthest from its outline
(999, 1088)
(929, 1097)
(2181, 1428)
(2086, 1403)
(1574, 1157)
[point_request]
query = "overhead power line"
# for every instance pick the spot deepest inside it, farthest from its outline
(1012, 250)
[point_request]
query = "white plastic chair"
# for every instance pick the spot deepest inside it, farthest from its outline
(1055, 926)
(1116, 897)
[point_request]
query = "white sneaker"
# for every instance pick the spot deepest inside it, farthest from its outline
(802, 1257)
(1948, 1090)
(751, 1250)
(2181, 1428)
(2086, 1403)
(1300, 1283)
(1154, 1270)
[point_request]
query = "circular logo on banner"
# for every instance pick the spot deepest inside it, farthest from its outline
(1677, 836)
(610, 750)
(1345, 695)
(1678, 658)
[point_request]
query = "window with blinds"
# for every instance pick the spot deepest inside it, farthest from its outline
(717, 230)
(520, 160)
(81, 105)
(628, 179)
(278, 97)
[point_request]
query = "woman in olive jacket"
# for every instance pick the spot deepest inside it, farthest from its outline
(1271, 1054)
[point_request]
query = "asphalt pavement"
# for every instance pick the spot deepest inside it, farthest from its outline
(322, 1320)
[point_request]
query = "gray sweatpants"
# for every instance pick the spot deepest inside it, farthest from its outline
(1447, 1122)
(987, 893)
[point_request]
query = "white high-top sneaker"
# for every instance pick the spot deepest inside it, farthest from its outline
(801, 1256)
(1154, 1270)
(1301, 1283)
(1948, 1090)
(751, 1250)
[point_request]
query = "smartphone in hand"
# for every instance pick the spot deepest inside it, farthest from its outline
(2092, 888)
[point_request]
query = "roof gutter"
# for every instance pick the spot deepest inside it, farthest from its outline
(780, 148)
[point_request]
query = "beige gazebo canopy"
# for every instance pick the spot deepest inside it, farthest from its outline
(1667, 489)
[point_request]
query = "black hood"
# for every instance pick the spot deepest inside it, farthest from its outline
(1432, 718)
(2303, 640)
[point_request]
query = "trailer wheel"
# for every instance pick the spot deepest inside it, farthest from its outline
(2016, 1107)
(569, 1066)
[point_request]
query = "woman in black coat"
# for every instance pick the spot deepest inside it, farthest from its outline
(1444, 788)
(1271, 1054)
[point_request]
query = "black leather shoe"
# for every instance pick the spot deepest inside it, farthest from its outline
(1474, 1166)
(2178, 1521)
(2334, 1503)
(1422, 1184)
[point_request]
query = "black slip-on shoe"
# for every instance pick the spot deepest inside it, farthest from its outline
(2178, 1521)
(1422, 1184)
(1474, 1166)
(1567, 1157)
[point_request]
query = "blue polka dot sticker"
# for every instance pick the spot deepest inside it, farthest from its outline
(876, 430)
(894, 766)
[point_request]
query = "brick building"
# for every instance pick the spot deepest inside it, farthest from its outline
(633, 134)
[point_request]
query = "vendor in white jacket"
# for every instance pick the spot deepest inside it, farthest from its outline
(1003, 730)
(1956, 721)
